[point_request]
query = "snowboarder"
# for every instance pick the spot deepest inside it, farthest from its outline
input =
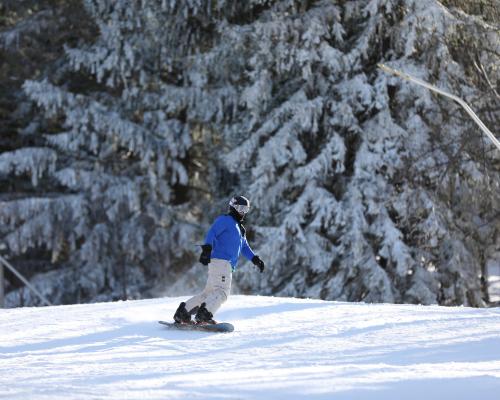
(224, 242)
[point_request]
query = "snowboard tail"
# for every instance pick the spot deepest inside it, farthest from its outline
(219, 327)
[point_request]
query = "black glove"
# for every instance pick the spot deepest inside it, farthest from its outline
(206, 251)
(258, 263)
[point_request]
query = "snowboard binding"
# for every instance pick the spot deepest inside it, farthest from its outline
(182, 316)
(203, 316)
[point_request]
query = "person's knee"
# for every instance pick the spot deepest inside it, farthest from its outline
(222, 294)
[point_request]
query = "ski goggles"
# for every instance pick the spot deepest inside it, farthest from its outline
(241, 209)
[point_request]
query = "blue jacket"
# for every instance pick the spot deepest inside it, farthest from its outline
(226, 240)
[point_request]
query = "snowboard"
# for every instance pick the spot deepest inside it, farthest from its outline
(219, 327)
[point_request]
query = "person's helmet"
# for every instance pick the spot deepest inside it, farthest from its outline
(240, 204)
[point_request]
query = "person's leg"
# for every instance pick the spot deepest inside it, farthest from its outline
(220, 277)
(217, 272)
(194, 302)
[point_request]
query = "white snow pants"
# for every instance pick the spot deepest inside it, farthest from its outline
(217, 288)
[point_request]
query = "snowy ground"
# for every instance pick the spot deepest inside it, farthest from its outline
(282, 348)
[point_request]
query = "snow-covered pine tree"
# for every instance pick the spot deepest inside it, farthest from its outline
(114, 154)
(32, 34)
(359, 181)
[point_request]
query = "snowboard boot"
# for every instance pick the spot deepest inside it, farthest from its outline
(182, 316)
(203, 316)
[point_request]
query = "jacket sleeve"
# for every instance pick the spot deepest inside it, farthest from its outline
(215, 230)
(246, 250)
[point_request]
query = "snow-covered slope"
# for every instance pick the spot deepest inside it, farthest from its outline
(282, 348)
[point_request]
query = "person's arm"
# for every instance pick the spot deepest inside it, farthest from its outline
(246, 250)
(250, 255)
(206, 249)
(215, 230)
